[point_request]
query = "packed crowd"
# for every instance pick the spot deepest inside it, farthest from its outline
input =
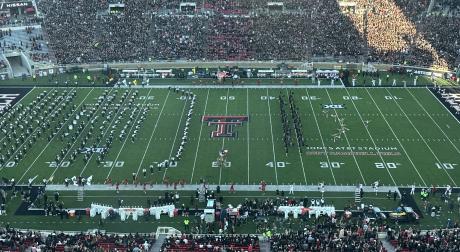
(329, 236)
(389, 31)
(211, 243)
(14, 240)
(434, 240)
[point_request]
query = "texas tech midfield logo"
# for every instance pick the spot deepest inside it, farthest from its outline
(225, 124)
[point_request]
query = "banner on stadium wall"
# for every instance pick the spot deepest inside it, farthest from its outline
(425, 72)
(15, 5)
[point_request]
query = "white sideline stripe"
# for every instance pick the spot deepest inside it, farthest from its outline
(423, 139)
(372, 139)
(223, 139)
(175, 136)
(127, 136)
(299, 149)
(436, 98)
(349, 145)
(107, 130)
(199, 138)
(396, 137)
(247, 124)
(153, 132)
(273, 142)
(321, 137)
(43, 150)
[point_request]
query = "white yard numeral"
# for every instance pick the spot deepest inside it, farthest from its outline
(386, 165)
(264, 98)
(215, 164)
(388, 97)
(334, 165)
(230, 98)
(447, 166)
(347, 98)
(10, 164)
(312, 98)
(279, 164)
(146, 97)
(52, 164)
(109, 164)
(183, 98)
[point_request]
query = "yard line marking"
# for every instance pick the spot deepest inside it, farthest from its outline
(128, 134)
(423, 139)
(199, 138)
(321, 137)
(273, 143)
(223, 139)
(31, 110)
(247, 125)
(43, 150)
(396, 137)
(76, 139)
(107, 130)
(372, 139)
(300, 151)
(175, 136)
(348, 142)
(448, 138)
(153, 132)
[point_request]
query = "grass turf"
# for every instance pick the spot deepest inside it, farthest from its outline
(418, 139)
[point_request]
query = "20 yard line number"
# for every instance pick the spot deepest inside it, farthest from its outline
(65, 164)
(386, 165)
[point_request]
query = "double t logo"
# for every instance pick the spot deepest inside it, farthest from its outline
(224, 124)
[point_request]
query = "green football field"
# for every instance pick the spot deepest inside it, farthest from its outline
(396, 136)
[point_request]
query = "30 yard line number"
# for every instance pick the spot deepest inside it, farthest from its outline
(327, 165)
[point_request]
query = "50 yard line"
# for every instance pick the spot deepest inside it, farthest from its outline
(199, 138)
(223, 140)
(247, 125)
(273, 142)
(348, 142)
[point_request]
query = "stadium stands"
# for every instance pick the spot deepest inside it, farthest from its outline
(211, 243)
(409, 240)
(13, 240)
(386, 32)
(330, 236)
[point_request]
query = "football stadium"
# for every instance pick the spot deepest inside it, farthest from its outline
(230, 125)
